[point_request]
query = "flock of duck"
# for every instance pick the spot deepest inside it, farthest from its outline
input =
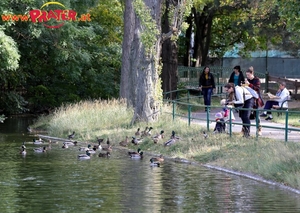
(104, 150)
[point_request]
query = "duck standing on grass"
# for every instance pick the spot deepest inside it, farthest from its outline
(124, 142)
(137, 133)
(205, 135)
(144, 133)
(71, 136)
(136, 141)
(172, 139)
(149, 131)
(85, 156)
(159, 136)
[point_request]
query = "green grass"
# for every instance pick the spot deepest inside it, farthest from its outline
(273, 160)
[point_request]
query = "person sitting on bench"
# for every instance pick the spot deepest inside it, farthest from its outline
(276, 101)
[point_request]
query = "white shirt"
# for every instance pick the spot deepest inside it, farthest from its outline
(283, 95)
(239, 95)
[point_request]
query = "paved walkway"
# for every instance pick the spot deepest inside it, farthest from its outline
(278, 134)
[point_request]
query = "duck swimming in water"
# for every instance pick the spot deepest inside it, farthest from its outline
(85, 156)
(40, 150)
(37, 142)
(138, 154)
(23, 151)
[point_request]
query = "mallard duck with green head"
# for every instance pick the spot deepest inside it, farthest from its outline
(172, 140)
(85, 156)
(138, 154)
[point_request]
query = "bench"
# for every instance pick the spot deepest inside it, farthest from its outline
(289, 99)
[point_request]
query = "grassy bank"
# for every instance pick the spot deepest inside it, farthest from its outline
(273, 160)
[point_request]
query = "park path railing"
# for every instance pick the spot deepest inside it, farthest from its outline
(184, 97)
(189, 78)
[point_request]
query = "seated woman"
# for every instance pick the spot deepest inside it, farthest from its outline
(276, 101)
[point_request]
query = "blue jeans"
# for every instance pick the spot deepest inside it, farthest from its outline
(269, 105)
(207, 92)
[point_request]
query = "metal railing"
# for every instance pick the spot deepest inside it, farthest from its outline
(185, 101)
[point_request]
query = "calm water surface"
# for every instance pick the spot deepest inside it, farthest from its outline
(57, 181)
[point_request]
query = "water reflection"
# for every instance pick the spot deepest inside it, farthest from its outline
(56, 181)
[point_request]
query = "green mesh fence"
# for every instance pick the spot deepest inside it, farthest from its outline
(189, 76)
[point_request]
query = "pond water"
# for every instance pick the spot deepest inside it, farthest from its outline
(56, 181)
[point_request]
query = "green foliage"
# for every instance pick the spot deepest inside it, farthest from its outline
(80, 60)
(9, 54)
(149, 31)
(13, 103)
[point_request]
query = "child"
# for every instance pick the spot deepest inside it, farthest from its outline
(220, 123)
(226, 111)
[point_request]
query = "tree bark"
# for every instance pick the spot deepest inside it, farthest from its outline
(126, 72)
(169, 59)
(203, 24)
(139, 77)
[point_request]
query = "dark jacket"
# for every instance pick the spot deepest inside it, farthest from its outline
(207, 83)
(241, 78)
(255, 84)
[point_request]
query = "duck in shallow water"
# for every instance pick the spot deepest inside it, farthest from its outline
(85, 156)
(23, 151)
(154, 163)
(138, 154)
(104, 155)
(40, 150)
(65, 146)
(38, 141)
(159, 159)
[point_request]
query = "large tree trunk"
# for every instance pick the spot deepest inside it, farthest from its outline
(203, 23)
(126, 91)
(139, 77)
(169, 58)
